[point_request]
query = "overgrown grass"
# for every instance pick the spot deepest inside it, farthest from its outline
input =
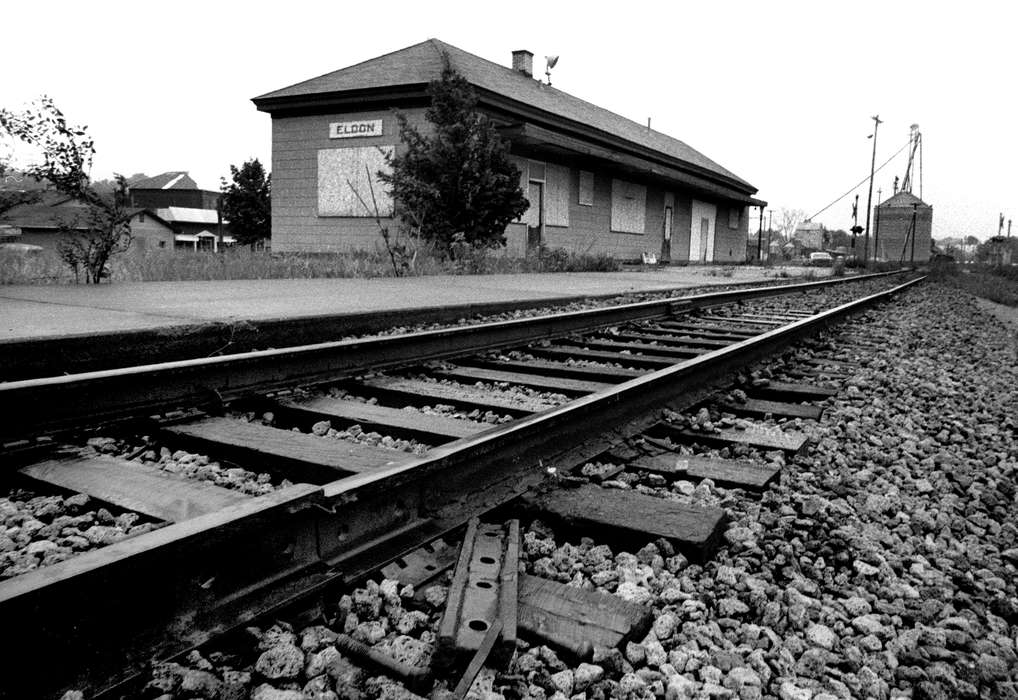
(999, 284)
(45, 267)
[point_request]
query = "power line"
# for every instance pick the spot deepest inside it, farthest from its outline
(854, 187)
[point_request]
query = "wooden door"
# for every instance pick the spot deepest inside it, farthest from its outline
(535, 223)
(704, 235)
(666, 241)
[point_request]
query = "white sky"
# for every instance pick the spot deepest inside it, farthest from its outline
(781, 93)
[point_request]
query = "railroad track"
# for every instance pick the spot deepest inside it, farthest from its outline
(506, 402)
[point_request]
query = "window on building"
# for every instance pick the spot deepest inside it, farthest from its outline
(556, 195)
(734, 217)
(586, 197)
(346, 176)
(141, 217)
(162, 244)
(629, 207)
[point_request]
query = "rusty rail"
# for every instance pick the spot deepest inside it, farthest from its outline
(106, 613)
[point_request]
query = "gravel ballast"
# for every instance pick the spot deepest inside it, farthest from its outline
(881, 565)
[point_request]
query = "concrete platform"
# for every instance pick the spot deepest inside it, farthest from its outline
(39, 312)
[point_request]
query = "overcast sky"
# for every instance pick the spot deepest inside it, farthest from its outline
(781, 93)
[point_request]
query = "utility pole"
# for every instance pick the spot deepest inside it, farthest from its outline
(770, 228)
(759, 238)
(915, 213)
(869, 198)
(876, 227)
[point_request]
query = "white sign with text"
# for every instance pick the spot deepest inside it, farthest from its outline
(349, 130)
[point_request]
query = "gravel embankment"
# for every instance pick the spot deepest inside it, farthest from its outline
(882, 565)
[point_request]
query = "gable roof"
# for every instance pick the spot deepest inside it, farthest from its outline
(422, 63)
(61, 212)
(173, 180)
(903, 199)
(189, 215)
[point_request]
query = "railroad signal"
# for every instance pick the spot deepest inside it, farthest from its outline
(856, 230)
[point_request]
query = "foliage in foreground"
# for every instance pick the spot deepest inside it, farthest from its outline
(66, 154)
(455, 182)
(241, 263)
(246, 202)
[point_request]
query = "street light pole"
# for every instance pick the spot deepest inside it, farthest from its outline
(869, 197)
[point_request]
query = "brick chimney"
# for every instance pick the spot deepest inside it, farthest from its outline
(523, 61)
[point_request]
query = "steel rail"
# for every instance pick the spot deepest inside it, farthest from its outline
(167, 591)
(47, 405)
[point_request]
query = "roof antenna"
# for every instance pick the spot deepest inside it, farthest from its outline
(549, 63)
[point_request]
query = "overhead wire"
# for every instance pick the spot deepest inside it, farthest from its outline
(854, 187)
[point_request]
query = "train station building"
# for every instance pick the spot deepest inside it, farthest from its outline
(596, 181)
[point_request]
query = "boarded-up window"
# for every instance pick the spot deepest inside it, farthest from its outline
(629, 207)
(345, 173)
(556, 195)
(734, 217)
(586, 188)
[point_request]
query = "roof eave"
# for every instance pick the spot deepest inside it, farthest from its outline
(317, 103)
(586, 131)
(324, 103)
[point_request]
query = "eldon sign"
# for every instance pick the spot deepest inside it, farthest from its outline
(349, 130)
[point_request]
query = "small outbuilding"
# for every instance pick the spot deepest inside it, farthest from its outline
(810, 235)
(903, 229)
(596, 181)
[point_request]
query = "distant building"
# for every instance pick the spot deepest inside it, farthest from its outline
(172, 189)
(998, 252)
(810, 235)
(903, 224)
(196, 229)
(40, 224)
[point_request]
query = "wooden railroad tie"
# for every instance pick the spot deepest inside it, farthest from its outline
(753, 436)
(634, 519)
(576, 619)
(668, 463)
(762, 407)
(142, 488)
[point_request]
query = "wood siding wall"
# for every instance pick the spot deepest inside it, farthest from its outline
(296, 225)
(730, 243)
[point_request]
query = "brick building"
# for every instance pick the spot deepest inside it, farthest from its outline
(596, 181)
